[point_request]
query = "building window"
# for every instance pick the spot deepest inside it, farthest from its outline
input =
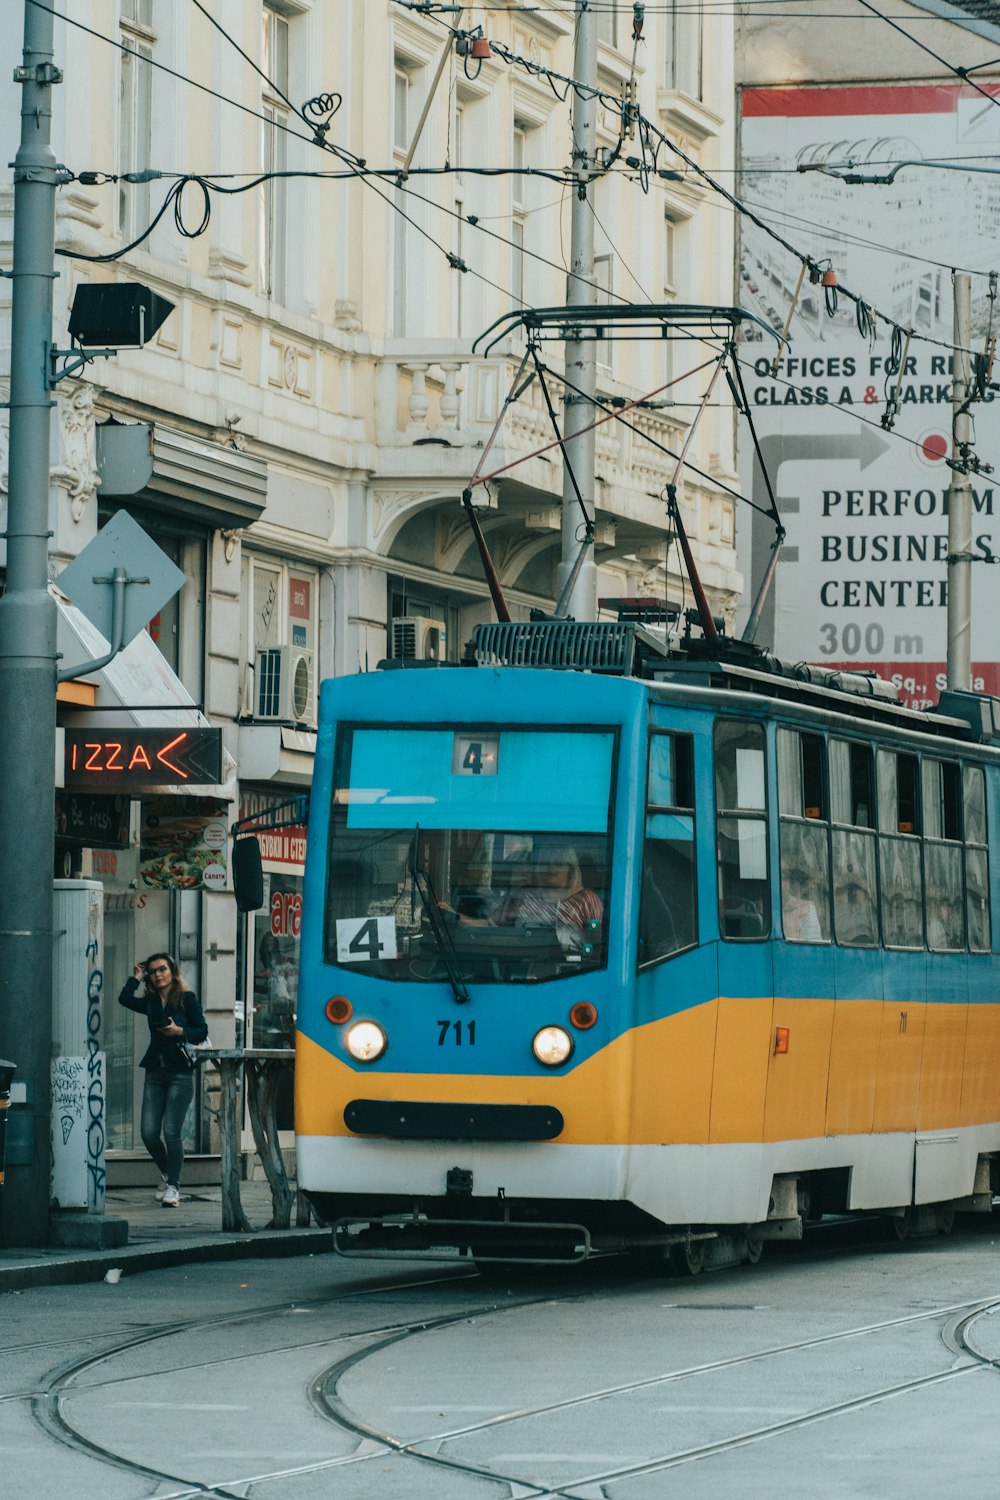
(401, 145)
(684, 42)
(281, 639)
(602, 297)
(669, 259)
(274, 154)
(135, 126)
(607, 25)
(519, 213)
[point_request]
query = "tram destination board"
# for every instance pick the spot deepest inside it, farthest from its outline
(124, 758)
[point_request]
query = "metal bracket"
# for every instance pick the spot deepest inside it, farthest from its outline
(76, 358)
(118, 580)
(45, 72)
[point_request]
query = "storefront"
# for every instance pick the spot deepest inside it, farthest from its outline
(157, 841)
(272, 935)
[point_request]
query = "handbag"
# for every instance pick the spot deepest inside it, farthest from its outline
(189, 1052)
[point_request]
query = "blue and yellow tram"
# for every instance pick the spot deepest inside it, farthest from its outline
(606, 945)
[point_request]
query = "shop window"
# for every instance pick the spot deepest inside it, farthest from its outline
(668, 914)
(741, 809)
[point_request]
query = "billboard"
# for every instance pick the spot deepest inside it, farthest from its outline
(862, 580)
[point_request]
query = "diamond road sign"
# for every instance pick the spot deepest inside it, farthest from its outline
(122, 543)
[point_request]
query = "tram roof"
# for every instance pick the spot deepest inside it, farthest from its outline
(629, 648)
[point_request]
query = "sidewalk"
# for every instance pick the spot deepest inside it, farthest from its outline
(162, 1237)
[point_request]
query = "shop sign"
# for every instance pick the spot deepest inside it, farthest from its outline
(183, 844)
(91, 820)
(284, 847)
(143, 758)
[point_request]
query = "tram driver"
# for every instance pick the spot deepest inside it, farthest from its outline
(550, 892)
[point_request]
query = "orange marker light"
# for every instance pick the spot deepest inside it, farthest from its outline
(583, 1016)
(780, 1039)
(338, 1010)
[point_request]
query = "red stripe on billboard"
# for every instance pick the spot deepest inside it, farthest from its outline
(879, 99)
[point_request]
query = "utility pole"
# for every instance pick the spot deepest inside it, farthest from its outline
(28, 659)
(960, 495)
(579, 356)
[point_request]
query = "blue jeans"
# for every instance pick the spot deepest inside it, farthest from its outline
(166, 1097)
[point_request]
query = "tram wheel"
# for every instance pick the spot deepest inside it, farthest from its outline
(896, 1227)
(945, 1220)
(755, 1249)
(688, 1257)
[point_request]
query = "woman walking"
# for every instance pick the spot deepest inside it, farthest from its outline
(174, 1018)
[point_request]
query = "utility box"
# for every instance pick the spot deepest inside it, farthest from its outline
(79, 1074)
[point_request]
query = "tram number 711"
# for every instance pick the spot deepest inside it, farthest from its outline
(458, 1027)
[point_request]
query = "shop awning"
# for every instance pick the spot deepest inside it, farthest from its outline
(138, 687)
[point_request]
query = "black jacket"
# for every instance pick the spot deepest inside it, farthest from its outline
(162, 1051)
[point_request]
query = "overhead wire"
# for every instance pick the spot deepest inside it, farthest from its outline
(356, 167)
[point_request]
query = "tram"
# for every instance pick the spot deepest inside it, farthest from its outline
(611, 942)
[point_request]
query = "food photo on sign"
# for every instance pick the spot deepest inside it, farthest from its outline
(183, 844)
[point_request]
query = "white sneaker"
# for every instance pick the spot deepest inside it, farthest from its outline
(171, 1197)
(158, 1195)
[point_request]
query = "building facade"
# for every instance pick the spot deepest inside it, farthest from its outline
(298, 435)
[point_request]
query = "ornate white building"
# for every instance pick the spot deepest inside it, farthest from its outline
(312, 409)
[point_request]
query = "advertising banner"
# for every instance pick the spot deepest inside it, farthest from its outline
(183, 844)
(862, 582)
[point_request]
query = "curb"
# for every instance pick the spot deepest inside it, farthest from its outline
(131, 1260)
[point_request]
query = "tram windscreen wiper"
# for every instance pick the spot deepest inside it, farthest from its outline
(436, 922)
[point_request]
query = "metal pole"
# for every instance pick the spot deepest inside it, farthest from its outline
(581, 366)
(960, 497)
(28, 658)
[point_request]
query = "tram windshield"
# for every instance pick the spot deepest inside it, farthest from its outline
(482, 855)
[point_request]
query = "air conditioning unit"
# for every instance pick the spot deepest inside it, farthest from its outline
(285, 687)
(416, 638)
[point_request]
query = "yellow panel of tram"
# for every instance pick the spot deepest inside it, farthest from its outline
(739, 1082)
(981, 1070)
(854, 1046)
(940, 1098)
(797, 1079)
(901, 1046)
(672, 1078)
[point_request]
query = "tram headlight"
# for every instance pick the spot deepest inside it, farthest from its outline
(552, 1046)
(366, 1041)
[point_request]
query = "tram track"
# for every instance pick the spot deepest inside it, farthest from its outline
(573, 1489)
(374, 1442)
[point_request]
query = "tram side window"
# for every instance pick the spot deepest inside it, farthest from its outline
(741, 830)
(977, 884)
(899, 850)
(668, 918)
(943, 855)
(853, 847)
(803, 806)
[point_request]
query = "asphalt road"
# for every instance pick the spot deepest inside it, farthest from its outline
(846, 1369)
